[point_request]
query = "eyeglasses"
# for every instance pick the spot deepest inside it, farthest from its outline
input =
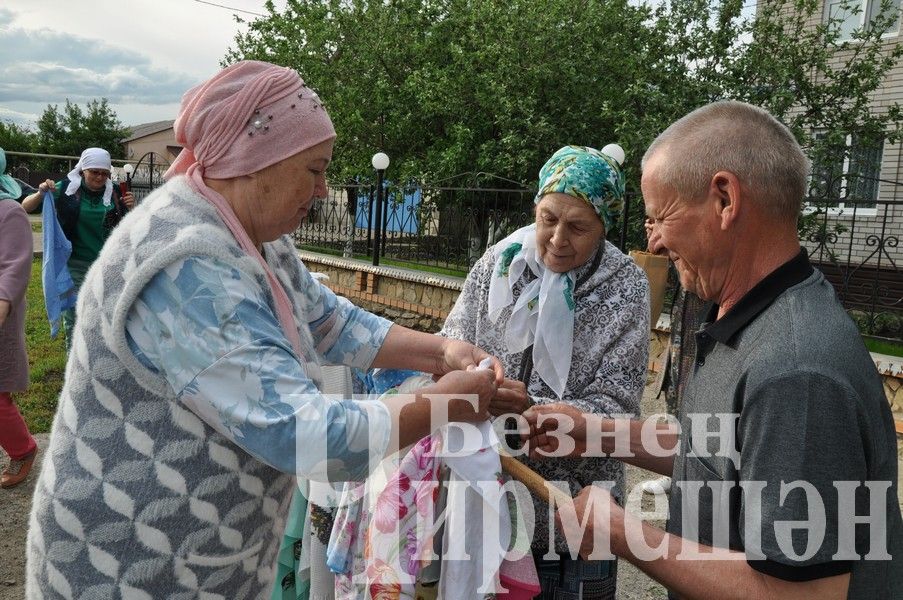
(97, 173)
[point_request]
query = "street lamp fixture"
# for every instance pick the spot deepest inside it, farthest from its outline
(380, 161)
(129, 170)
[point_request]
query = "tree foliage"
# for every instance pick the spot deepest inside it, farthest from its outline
(16, 138)
(72, 129)
(460, 86)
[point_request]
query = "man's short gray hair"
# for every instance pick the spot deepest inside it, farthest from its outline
(739, 138)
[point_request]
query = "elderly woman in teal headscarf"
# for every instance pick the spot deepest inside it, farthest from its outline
(567, 312)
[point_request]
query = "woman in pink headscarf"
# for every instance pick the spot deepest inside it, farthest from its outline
(191, 395)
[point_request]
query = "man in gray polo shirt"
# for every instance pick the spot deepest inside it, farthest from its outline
(786, 458)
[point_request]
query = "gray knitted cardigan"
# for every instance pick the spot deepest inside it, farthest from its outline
(138, 497)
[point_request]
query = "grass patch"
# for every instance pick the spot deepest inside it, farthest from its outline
(418, 267)
(46, 358)
(389, 262)
(883, 346)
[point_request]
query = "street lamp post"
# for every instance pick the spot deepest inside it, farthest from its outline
(129, 170)
(380, 162)
(351, 209)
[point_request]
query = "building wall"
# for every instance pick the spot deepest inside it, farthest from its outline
(156, 142)
(865, 231)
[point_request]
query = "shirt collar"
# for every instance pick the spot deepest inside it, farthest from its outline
(760, 297)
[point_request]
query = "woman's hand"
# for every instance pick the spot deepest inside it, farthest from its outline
(460, 356)
(461, 396)
(511, 397)
(129, 200)
(31, 202)
(478, 384)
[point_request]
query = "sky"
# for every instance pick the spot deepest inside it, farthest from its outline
(141, 55)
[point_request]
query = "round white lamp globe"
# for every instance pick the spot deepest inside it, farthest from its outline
(380, 161)
(614, 151)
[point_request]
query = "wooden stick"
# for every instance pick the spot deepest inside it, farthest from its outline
(533, 480)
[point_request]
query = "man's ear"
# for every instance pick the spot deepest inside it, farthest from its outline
(726, 193)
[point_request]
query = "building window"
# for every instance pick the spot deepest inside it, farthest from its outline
(850, 15)
(847, 177)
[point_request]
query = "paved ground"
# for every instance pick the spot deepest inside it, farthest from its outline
(14, 507)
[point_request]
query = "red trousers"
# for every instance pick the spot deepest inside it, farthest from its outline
(14, 436)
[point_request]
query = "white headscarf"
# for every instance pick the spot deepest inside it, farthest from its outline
(92, 158)
(543, 314)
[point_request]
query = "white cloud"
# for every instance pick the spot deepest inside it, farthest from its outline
(15, 116)
(49, 66)
(141, 55)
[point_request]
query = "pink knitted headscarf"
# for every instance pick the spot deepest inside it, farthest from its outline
(245, 118)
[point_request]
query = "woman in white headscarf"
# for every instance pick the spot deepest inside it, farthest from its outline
(569, 313)
(88, 206)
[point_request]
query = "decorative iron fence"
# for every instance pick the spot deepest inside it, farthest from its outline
(147, 175)
(447, 227)
(437, 225)
(855, 242)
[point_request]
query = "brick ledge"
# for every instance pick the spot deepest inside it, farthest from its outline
(420, 309)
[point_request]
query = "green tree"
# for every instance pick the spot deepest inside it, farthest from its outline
(454, 86)
(73, 129)
(16, 138)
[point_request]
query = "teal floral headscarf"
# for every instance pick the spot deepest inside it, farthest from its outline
(589, 174)
(9, 188)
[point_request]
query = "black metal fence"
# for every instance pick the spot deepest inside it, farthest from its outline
(855, 242)
(147, 175)
(447, 227)
(443, 226)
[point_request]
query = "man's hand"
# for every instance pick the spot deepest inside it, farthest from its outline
(511, 397)
(550, 422)
(590, 505)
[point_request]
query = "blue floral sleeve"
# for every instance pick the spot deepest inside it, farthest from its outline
(206, 328)
(344, 334)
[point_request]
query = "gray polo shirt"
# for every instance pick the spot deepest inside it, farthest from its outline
(787, 380)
